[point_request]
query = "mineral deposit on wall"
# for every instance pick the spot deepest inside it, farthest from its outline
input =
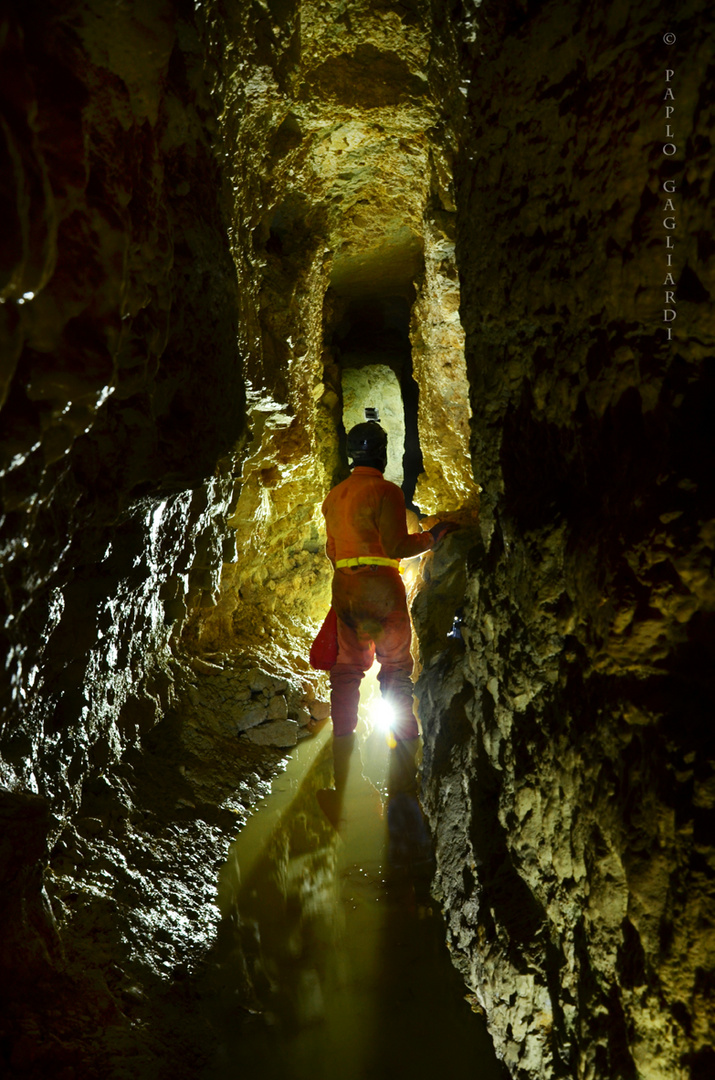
(569, 742)
(199, 205)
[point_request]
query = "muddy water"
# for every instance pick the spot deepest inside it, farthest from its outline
(332, 954)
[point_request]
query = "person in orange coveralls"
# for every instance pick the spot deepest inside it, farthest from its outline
(366, 523)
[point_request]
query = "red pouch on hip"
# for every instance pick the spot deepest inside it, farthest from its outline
(324, 650)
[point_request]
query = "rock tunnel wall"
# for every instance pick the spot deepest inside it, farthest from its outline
(122, 382)
(569, 748)
(336, 170)
(122, 406)
(274, 589)
(194, 195)
(185, 192)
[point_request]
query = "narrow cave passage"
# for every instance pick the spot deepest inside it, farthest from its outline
(249, 237)
(215, 216)
(330, 959)
(331, 953)
(258, 250)
(371, 345)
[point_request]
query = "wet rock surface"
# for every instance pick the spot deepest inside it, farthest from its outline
(339, 185)
(112, 507)
(194, 199)
(128, 913)
(569, 740)
(122, 410)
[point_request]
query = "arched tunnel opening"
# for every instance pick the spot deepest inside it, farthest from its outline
(227, 230)
(371, 345)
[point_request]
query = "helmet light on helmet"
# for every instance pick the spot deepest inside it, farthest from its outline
(367, 442)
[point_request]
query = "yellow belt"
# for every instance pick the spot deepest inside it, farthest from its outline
(368, 560)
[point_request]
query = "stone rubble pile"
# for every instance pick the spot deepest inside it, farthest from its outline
(247, 702)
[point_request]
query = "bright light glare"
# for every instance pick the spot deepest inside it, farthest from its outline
(382, 714)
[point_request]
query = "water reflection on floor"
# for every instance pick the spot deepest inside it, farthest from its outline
(332, 958)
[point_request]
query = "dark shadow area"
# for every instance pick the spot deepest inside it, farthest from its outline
(375, 330)
(503, 890)
(331, 956)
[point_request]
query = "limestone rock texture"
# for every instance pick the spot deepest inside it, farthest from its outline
(377, 383)
(115, 414)
(334, 176)
(122, 411)
(444, 408)
(193, 197)
(211, 213)
(569, 750)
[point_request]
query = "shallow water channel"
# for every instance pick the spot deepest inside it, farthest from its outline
(332, 959)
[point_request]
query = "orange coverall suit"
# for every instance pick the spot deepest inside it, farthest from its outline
(365, 515)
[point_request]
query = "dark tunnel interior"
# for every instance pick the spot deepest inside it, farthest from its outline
(224, 229)
(375, 329)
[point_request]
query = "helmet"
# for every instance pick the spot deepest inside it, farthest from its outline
(367, 443)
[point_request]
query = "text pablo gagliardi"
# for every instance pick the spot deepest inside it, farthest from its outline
(669, 149)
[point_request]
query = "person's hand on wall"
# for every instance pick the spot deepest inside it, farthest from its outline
(442, 529)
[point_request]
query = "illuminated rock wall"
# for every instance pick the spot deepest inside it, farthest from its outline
(187, 195)
(377, 385)
(193, 198)
(122, 403)
(569, 747)
(331, 170)
(438, 359)
(123, 381)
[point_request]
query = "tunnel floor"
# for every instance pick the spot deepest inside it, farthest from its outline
(331, 958)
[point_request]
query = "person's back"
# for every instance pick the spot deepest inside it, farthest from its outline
(365, 515)
(366, 523)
